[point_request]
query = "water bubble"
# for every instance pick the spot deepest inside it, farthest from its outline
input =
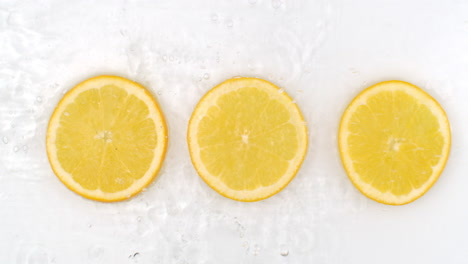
(15, 149)
(39, 99)
(255, 250)
(214, 17)
(5, 140)
(206, 76)
(159, 93)
(276, 4)
(284, 253)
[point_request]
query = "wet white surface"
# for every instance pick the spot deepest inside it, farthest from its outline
(322, 52)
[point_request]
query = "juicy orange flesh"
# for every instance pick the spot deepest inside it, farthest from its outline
(246, 139)
(394, 145)
(105, 139)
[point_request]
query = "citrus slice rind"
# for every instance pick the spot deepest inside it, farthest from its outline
(68, 126)
(394, 141)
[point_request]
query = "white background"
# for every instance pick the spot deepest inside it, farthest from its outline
(321, 52)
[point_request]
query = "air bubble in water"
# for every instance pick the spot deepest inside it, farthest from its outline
(284, 253)
(5, 140)
(39, 99)
(276, 4)
(206, 76)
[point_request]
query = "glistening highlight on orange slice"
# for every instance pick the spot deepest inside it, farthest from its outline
(394, 141)
(247, 139)
(107, 138)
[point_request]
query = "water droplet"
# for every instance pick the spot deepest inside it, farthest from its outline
(276, 4)
(95, 252)
(39, 99)
(285, 253)
(206, 76)
(15, 149)
(37, 256)
(66, 114)
(214, 17)
(5, 140)
(229, 23)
